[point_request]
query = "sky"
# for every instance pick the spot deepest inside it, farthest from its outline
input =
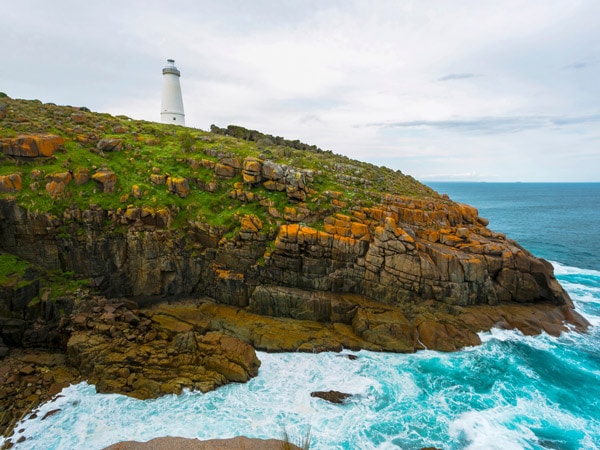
(462, 90)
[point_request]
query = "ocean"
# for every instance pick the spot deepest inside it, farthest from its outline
(511, 392)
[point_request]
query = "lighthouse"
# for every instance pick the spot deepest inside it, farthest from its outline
(171, 110)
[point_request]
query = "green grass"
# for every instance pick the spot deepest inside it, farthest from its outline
(11, 269)
(63, 284)
(169, 149)
(59, 284)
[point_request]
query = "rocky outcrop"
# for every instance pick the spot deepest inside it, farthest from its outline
(251, 171)
(32, 146)
(122, 350)
(331, 396)
(407, 250)
(109, 145)
(273, 176)
(366, 324)
(27, 378)
(106, 179)
(402, 254)
(57, 182)
(228, 167)
(10, 183)
(178, 186)
(238, 443)
(81, 176)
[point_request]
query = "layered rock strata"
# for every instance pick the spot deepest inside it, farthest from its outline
(403, 253)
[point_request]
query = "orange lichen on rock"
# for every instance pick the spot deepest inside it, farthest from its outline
(32, 146)
(250, 224)
(179, 186)
(10, 183)
(107, 180)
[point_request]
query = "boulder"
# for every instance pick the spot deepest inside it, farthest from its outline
(228, 167)
(272, 185)
(272, 171)
(179, 186)
(158, 179)
(136, 191)
(31, 146)
(224, 171)
(332, 396)
(81, 176)
(251, 171)
(107, 180)
(57, 182)
(10, 183)
(109, 145)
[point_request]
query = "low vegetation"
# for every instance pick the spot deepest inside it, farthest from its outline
(147, 148)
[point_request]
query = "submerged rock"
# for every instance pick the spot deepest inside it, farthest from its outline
(332, 396)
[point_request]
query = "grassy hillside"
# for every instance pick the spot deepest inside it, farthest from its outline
(336, 183)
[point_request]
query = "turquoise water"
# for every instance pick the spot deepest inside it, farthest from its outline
(512, 392)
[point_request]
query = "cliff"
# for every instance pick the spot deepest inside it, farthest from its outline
(273, 243)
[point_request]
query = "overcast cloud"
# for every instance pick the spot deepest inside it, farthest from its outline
(442, 90)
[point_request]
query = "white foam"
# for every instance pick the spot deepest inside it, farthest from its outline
(484, 430)
(413, 397)
(500, 334)
(562, 269)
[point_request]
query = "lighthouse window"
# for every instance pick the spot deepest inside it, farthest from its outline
(174, 118)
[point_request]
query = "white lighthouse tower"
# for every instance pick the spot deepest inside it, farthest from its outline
(171, 110)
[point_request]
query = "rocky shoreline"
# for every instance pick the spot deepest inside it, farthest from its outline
(238, 246)
(199, 344)
(239, 443)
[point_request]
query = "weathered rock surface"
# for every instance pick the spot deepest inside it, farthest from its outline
(402, 254)
(57, 182)
(10, 183)
(107, 180)
(238, 443)
(32, 146)
(122, 350)
(332, 396)
(360, 323)
(29, 377)
(178, 186)
(109, 145)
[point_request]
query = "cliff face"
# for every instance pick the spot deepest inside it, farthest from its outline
(401, 274)
(404, 251)
(273, 226)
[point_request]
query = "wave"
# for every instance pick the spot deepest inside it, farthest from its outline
(562, 269)
(511, 392)
(583, 285)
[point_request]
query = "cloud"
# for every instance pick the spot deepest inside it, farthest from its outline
(576, 66)
(583, 64)
(493, 125)
(457, 76)
(312, 69)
